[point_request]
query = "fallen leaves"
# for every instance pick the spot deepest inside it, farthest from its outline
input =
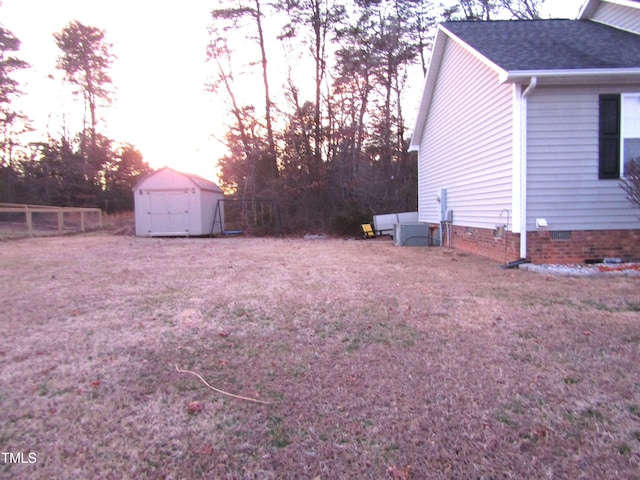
(194, 407)
(207, 449)
(398, 474)
(619, 268)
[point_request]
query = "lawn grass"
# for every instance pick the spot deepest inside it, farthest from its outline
(376, 362)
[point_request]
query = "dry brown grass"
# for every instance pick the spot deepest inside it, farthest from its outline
(379, 362)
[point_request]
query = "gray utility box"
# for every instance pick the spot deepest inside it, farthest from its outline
(411, 234)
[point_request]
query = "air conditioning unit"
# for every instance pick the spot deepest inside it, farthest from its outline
(411, 234)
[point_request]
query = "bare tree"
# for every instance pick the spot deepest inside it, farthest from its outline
(85, 59)
(8, 89)
(316, 19)
(478, 9)
(523, 9)
(630, 183)
(484, 10)
(240, 137)
(227, 21)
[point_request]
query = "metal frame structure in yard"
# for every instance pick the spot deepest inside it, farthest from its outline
(254, 216)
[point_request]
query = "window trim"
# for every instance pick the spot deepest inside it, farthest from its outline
(622, 125)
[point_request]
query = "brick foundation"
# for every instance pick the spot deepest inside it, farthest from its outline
(575, 246)
(580, 245)
(485, 242)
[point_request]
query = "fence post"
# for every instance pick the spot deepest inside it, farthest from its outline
(60, 220)
(86, 215)
(27, 213)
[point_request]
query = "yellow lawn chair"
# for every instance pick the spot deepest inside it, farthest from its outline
(367, 231)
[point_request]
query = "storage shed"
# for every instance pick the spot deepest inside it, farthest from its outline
(171, 203)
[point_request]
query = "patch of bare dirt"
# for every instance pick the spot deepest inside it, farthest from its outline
(377, 362)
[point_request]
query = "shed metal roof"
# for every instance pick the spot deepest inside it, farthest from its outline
(203, 183)
(200, 182)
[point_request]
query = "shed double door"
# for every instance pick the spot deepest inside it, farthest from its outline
(169, 212)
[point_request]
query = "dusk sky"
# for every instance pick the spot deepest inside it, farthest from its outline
(160, 105)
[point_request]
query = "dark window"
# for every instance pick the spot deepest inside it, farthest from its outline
(609, 136)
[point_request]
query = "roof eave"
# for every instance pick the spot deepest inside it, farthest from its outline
(573, 76)
(429, 83)
(588, 9)
(590, 6)
(144, 178)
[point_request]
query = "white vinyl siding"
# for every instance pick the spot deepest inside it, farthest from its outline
(618, 16)
(562, 163)
(466, 146)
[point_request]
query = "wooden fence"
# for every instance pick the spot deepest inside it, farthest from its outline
(20, 219)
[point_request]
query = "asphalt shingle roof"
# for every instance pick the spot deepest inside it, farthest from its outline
(550, 44)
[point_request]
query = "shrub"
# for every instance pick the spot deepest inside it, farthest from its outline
(630, 183)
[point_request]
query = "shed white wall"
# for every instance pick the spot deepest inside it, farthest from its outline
(562, 163)
(619, 16)
(466, 145)
(209, 201)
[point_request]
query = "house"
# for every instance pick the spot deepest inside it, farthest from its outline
(171, 203)
(523, 132)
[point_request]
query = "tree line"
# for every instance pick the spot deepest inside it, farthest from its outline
(85, 168)
(315, 94)
(329, 143)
